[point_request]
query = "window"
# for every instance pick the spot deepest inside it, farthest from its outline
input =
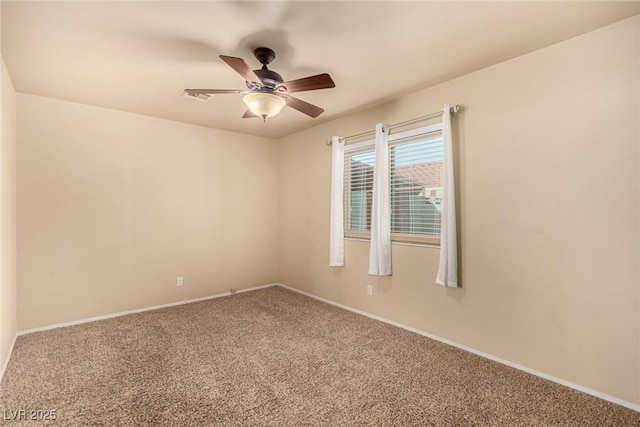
(415, 158)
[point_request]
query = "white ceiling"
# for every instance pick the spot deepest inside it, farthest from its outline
(139, 56)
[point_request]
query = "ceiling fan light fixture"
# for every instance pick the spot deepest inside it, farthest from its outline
(264, 104)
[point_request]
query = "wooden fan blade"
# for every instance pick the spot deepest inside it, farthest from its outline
(241, 68)
(248, 115)
(302, 106)
(320, 81)
(213, 91)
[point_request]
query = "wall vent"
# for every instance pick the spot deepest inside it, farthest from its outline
(199, 97)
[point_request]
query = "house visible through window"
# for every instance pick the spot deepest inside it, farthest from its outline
(415, 158)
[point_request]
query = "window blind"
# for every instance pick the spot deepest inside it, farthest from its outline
(358, 187)
(416, 160)
(416, 188)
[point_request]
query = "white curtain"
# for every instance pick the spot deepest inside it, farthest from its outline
(448, 267)
(336, 244)
(380, 249)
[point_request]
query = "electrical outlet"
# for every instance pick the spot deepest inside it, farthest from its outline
(179, 281)
(369, 290)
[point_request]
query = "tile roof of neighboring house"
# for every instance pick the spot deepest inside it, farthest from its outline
(411, 178)
(427, 174)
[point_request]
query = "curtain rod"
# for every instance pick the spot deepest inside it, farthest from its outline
(453, 110)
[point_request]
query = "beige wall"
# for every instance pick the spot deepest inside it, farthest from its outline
(8, 316)
(114, 206)
(548, 179)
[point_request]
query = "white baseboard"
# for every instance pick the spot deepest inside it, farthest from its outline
(6, 362)
(560, 381)
(138, 310)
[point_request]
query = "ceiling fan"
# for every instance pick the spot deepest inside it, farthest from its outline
(268, 92)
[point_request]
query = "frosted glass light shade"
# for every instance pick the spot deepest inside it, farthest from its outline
(264, 104)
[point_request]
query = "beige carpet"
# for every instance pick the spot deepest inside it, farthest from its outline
(276, 358)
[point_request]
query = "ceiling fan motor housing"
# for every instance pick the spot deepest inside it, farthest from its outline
(270, 79)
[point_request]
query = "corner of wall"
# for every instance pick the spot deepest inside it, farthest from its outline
(637, 20)
(8, 250)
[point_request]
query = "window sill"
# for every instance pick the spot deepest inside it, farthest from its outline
(419, 245)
